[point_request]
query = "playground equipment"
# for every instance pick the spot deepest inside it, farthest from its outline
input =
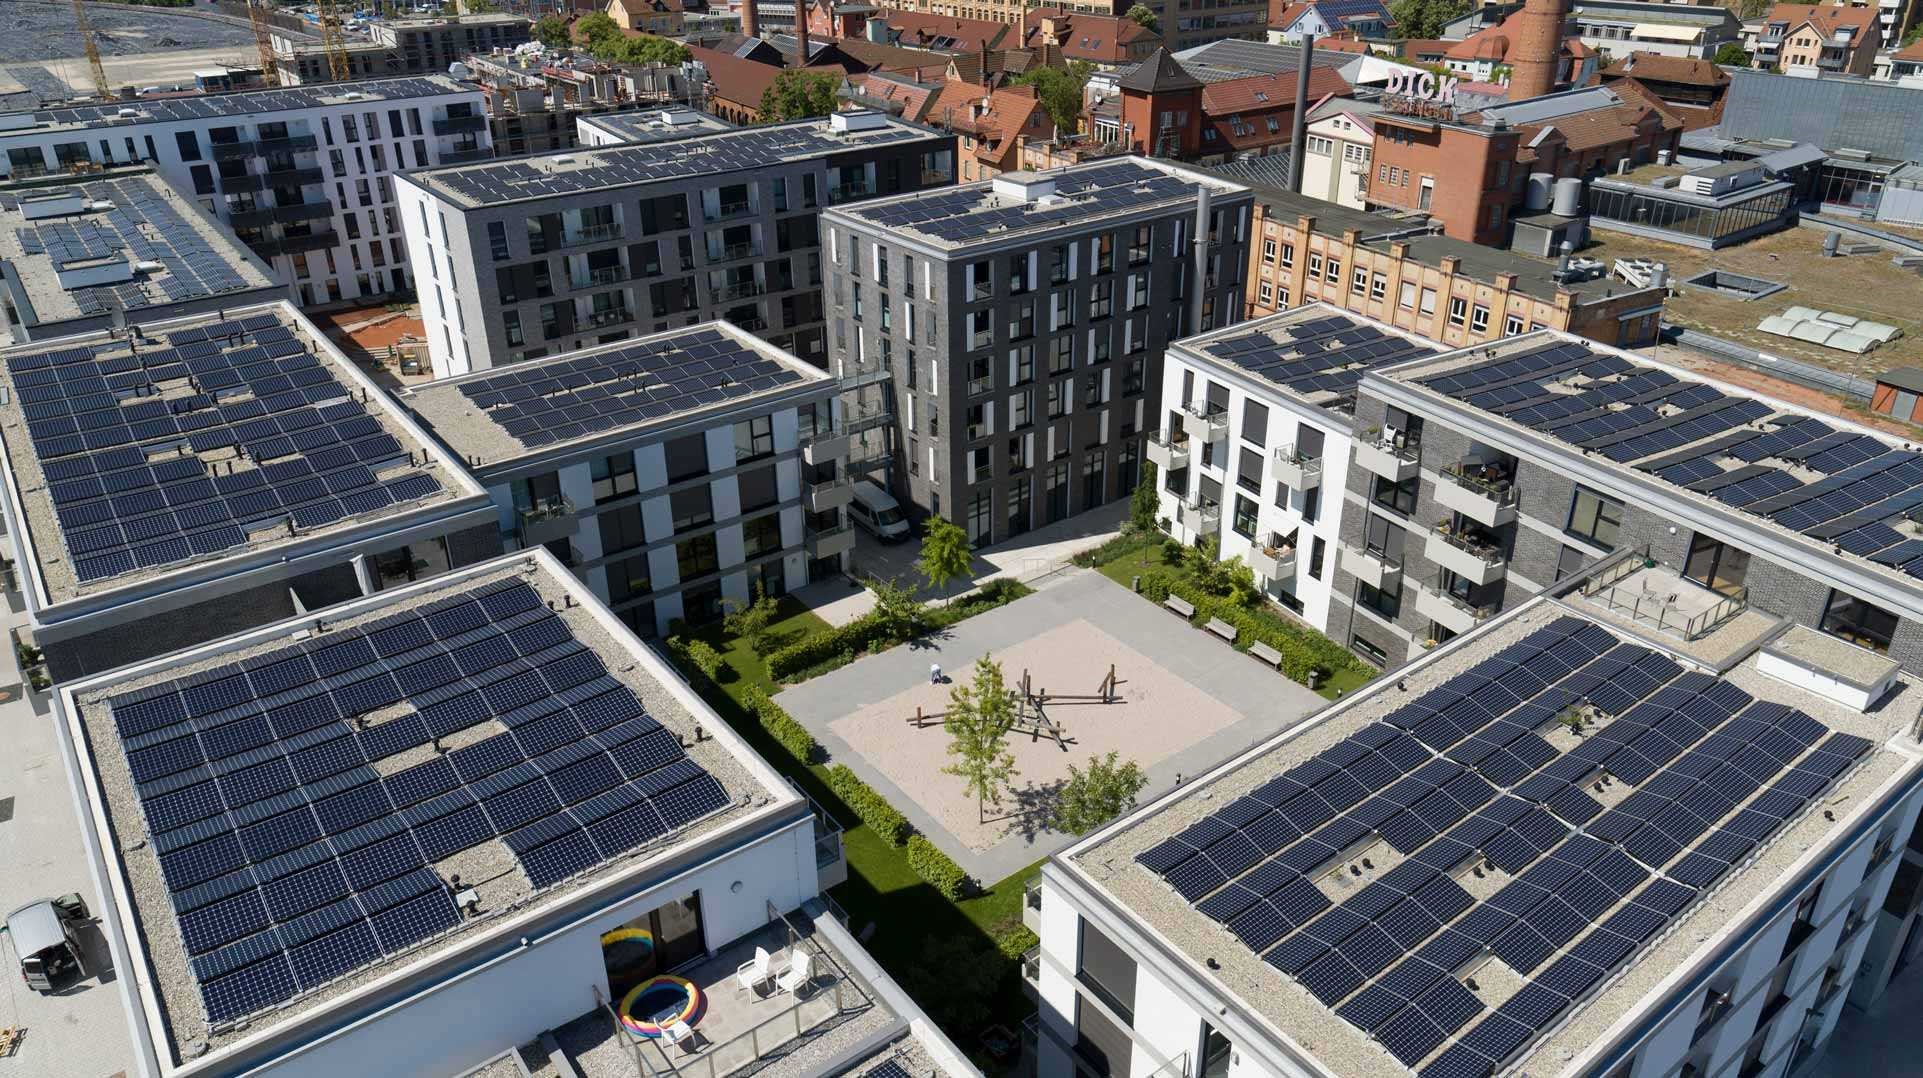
(1031, 708)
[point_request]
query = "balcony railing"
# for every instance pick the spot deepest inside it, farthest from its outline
(1372, 565)
(544, 521)
(1387, 459)
(729, 209)
(1456, 614)
(292, 177)
(848, 191)
(457, 124)
(609, 316)
(599, 275)
(830, 541)
(1168, 451)
(1273, 559)
(1032, 904)
(738, 290)
(978, 386)
(289, 144)
(595, 233)
(227, 151)
(304, 211)
(467, 156)
(1296, 470)
(1200, 516)
(1467, 553)
(728, 252)
(1201, 420)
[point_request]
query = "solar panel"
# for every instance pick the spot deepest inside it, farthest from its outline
(292, 859)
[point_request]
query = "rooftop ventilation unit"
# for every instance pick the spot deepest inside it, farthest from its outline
(858, 120)
(55, 203)
(1024, 186)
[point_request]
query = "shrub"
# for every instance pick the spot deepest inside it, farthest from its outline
(782, 727)
(1114, 550)
(873, 809)
(936, 868)
(1302, 649)
(876, 631)
(1172, 550)
(703, 657)
(1013, 939)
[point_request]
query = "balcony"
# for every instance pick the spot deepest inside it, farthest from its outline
(288, 144)
(823, 446)
(727, 210)
(1451, 613)
(1485, 499)
(596, 233)
(728, 252)
(304, 211)
(608, 317)
(545, 521)
(1386, 459)
(1032, 972)
(848, 192)
(738, 290)
(1296, 470)
(251, 218)
(1372, 566)
(831, 542)
(234, 185)
(1168, 454)
(1468, 553)
(1198, 516)
(227, 151)
(1210, 426)
(866, 376)
(455, 125)
(292, 177)
(1273, 560)
(467, 156)
(1032, 905)
(826, 494)
(597, 277)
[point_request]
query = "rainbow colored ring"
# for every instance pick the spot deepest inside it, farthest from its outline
(622, 935)
(641, 1027)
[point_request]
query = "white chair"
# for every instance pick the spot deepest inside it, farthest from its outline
(801, 970)
(679, 1032)
(752, 975)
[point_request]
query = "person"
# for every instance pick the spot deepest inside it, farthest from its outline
(934, 673)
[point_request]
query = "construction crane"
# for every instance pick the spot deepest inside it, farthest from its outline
(338, 67)
(257, 15)
(100, 86)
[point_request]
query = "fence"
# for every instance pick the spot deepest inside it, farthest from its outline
(1654, 608)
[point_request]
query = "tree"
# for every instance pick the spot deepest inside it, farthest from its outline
(896, 608)
(944, 552)
(1060, 91)
(1731, 55)
(1914, 35)
(552, 31)
(1094, 795)
(750, 620)
(1425, 18)
(979, 715)
(797, 94)
(1146, 503)
(646, 49)
(595, 28)
(1145, 16)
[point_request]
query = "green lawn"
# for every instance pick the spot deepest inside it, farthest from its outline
(963, 981)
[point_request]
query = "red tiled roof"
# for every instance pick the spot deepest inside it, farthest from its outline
(1261, 93)
(1825, 18)
(1102, 39)
(967, 35)
(910, 98)
(1612, 124)
(1655, 67)
(737, 80)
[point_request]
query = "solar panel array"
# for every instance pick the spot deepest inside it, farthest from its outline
(241, 103)
(291, 861)
(1689, 434)
(1463, 777)
(128, 439)
(563, 399)
(960, 214)
(143, 226)
(1322, 355)
(617, 166)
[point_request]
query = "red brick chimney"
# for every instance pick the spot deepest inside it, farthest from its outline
(750, 18)
(1536, 54)
(801, 33)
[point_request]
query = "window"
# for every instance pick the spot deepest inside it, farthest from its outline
(1311, 504)
(1318, 549)
(1458, 310)
(754, 439)
(188, 145)
(1429, 301)
(1255, 423)
(1268, 251)
(757, 488)
(1359, 281)
(1406, 296)
(1383, 540)
(1369, 649)
(1265, 293)
(1858, 622)
(1716, 565)
(1479, 319)
(1138, 248)
(762, 535)
(1107, 972)
(691, 508)
(1288, 256)
(1244, 520)
(1315, 265)
(613, 477)
(1400, 497)
(696, 557)
(1569, 562)
(1385, 601)
(621, 529)
(1511, 325)
(1595, 517)
(686, 457)
(628, 578)
(1378, 286)
(1248, 472)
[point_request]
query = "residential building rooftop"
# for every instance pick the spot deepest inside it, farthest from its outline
(538, 406)
(1315, 353)
(1439, 875)
(578, 171)
(371, 92)
(1030, 203)
(654, 125)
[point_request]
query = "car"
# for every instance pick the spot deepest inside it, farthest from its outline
(45, 936)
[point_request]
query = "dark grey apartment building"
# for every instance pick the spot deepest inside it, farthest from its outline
(1483, 476)
(535, 256)
(403, 47)
(1003, 340)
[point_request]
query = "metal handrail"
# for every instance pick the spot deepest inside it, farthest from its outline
(1474, 611)
(1654, 609)
(1487, 553)
(1378, 555)
(605, 230)
(1168, 439)
(1503, 496)
(1287, 454)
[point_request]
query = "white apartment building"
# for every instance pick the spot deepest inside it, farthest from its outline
(303, 175)
(709, 469)
(1255, 434)
(1335, 160)
(1369, 894)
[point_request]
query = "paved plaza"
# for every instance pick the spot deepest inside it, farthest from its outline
(1187, 701)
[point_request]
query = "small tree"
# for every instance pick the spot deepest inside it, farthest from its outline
(900, 613)
(1060, 91)
(1201, 556)
(552, 31)
(944, 552)
(1731, 55)
(797, 94)
(1425, 18)
(1145, 503)
(646, 49)
(750, 620)
(592, 29)
(979, 715)
(1145, 15)
(1094, 795)
(1240, 581)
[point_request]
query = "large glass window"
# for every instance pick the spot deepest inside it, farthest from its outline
(757, 488)
(621, 529)
(686, 457)
(1244, 521)
(628, 578)
(1107, 971)
(754, 439)
(1383, 540)
(1596, 517)
(692, 508)
(613, 477)
(1716, 565)
(762, 535)
(1861, 623)
(1386, 600)
(1400, 497)
(696, 557)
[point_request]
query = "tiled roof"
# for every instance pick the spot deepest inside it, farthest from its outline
(1825, 18)
(1102, 39)
(909, 100)
(942, 31)
(1262, 93)
(1159, 74)
(1655, 67)
(1612, 125)
(737, 80)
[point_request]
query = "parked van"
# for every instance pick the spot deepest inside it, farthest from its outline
(878, 513)
(44, 937)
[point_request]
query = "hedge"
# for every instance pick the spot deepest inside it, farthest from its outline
(1302, 649)
(936, 868)
(838, 646)
(782, 727)
(875, 811)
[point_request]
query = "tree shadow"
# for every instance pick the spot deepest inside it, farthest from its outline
(1033, 804)
(933, 638)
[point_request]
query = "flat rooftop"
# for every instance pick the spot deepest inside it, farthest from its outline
(503, 413)
(147, 222)
(603, 168)
(1315, 353)
(1439, 876)
(1825, 483)
(1075, 196)
(199, 440)
(370, 92)
(655, 125)
(286, 808)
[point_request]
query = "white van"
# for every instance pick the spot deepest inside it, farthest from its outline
(878, 513)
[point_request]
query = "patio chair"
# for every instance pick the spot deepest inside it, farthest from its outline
(801, 970)
(752, 975)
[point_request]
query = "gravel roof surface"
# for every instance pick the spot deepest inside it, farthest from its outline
(1858, 666)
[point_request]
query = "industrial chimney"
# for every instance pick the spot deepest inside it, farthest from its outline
(1537, 54)
(750, 18)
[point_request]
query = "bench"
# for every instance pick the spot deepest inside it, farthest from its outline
(1180, 606)
(1266, 653)
(1223, 629)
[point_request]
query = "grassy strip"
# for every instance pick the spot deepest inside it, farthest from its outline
(821, 652)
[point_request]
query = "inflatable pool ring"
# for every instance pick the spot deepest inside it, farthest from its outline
(636, 941)
(648, 1027)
